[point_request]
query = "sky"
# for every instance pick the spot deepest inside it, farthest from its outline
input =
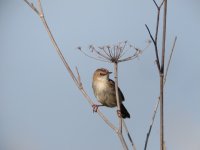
(42, 109)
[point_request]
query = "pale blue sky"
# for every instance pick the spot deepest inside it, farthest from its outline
(42, 109)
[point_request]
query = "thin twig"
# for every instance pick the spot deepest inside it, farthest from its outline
(156, 48)
(76, 81)
(93, 57)
(122, 140)
(40, 8)
(106, 53)
(129, 58)
(79, 79)
(158, 19)
(157, 24)
(101, 54)
(32, 6)
(155, 39)
(129, 135)
(169, 61)
(162, 3)
(152, 122)
(156, 4)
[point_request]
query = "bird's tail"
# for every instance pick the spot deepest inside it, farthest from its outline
(124, 111)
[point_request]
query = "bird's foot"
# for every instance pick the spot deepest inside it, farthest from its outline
(95, 107)
(119, 113)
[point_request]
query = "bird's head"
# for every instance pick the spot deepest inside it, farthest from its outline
(101, 74)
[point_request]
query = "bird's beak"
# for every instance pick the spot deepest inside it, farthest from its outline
(109, 72)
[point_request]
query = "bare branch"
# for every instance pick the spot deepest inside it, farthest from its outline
(157, 104)
(158, 7)
(156, 48)
(152, 122)
(122, 140)
(156, 4)
(157, 25)
(40, 9)
(32, 6)
(128, 134)
(168, 64)
(130, 57)
(156, 35)
(76, 81)
(158, 19)
(161, 4)
(79, 79)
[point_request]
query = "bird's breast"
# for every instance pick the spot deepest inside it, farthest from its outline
(104, 94)
(101, 86)
(100, 89)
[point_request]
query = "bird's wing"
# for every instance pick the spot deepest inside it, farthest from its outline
(120, 92)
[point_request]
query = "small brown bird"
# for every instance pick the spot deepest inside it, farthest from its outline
(104, 90)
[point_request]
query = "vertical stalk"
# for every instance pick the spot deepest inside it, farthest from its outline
(117, 94)
(162, 79)
(119, 133)
(161, 112)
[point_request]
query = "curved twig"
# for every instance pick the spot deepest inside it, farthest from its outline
(77, 81)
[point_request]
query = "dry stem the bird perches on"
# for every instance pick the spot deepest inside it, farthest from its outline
(115, 54)
(111, 55)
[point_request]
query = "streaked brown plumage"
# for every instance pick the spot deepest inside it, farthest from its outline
(104, 90)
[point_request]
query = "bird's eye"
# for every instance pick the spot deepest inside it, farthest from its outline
(101, 74)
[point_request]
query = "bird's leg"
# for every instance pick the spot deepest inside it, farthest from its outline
(95, 107)
(119, 113)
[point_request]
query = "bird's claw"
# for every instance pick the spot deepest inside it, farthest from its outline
(119, 113)
(95, 107)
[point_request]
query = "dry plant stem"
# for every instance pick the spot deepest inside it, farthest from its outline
(158, 101)
(158, 19)
(162, 78)
(170, 57)
(128, 134)
(161, 71)
(117, 94)
(152, 122)
(154, 39)
(120, 135)
(156, 48)
(32, 6)
(77, 82)
(161, 111)
(78, 79)
(122, 140)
